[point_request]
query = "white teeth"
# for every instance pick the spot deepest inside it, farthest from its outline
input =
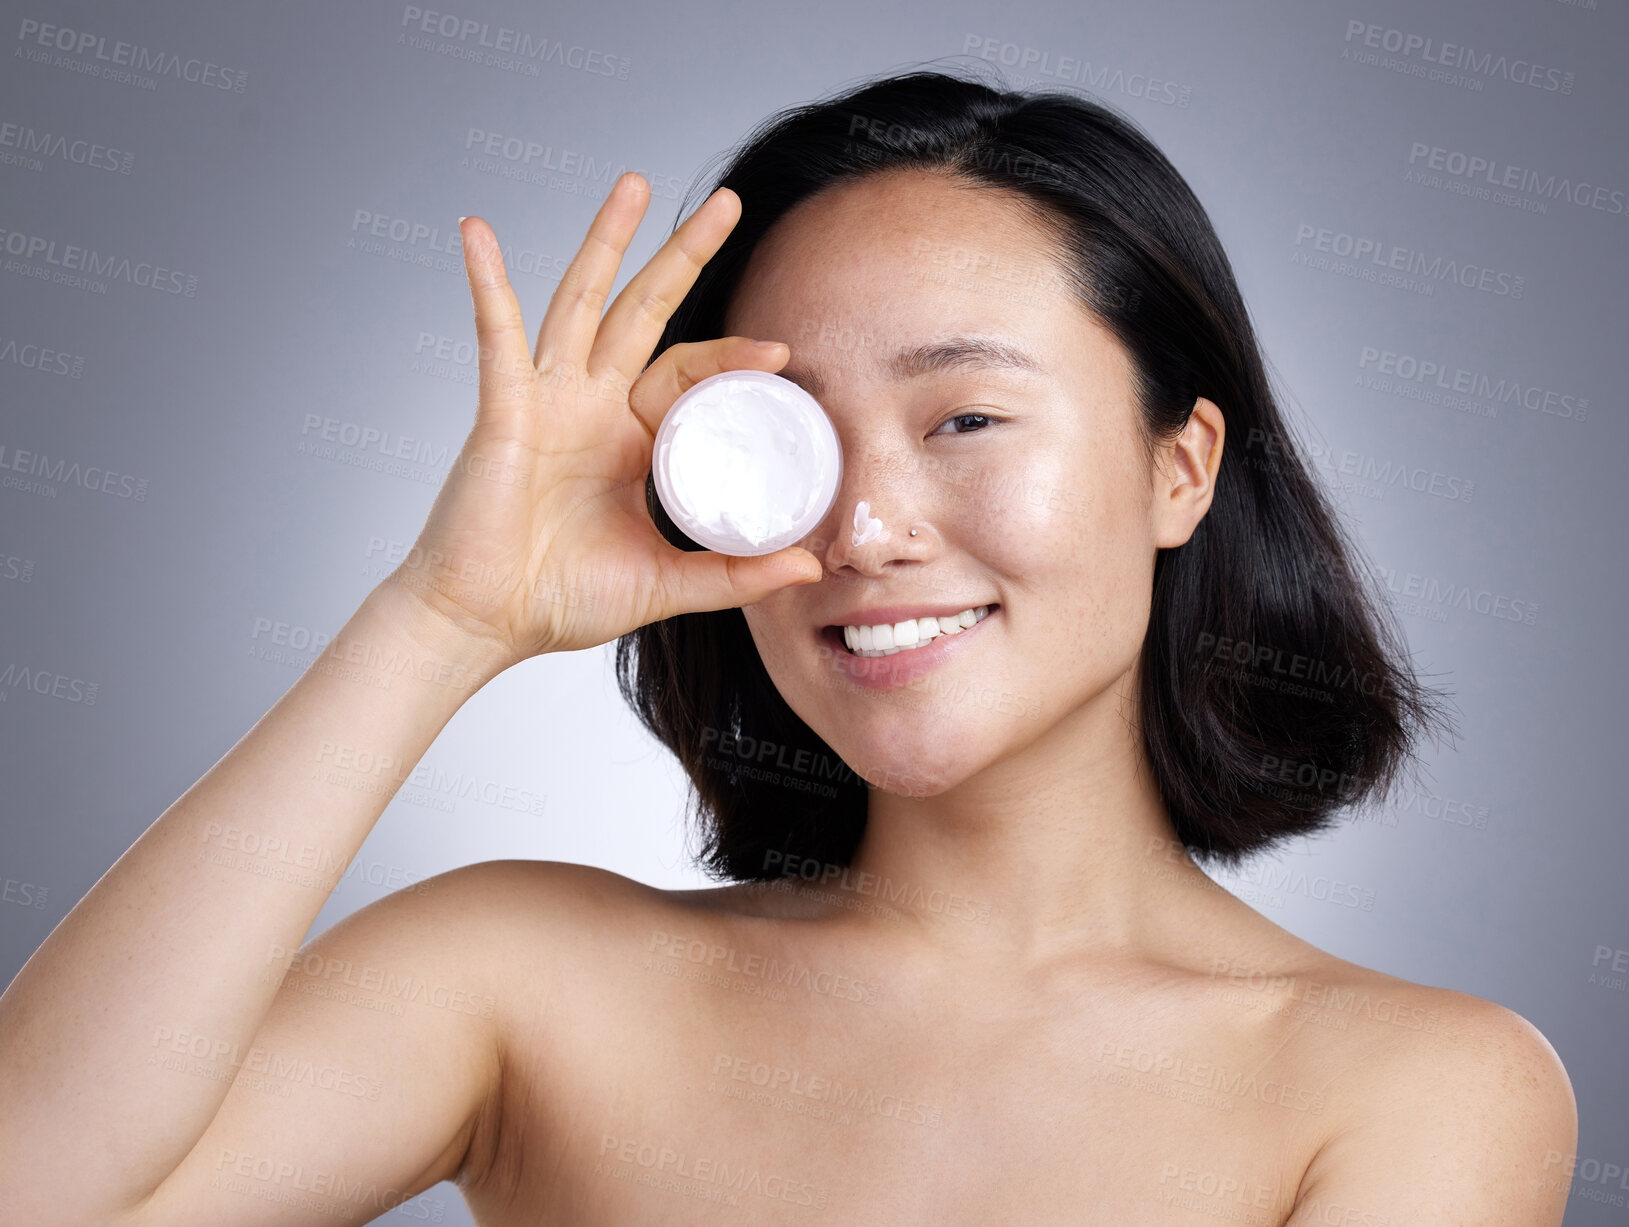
(885, 639)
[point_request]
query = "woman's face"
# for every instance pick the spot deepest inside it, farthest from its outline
(1027, 484)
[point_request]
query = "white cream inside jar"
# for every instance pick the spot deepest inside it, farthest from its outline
(746, 463)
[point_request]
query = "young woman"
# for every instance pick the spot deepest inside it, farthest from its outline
(966, 968)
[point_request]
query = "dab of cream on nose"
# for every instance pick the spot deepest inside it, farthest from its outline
(866, 526)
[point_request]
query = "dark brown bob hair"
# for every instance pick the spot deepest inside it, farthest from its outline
(1274, 690)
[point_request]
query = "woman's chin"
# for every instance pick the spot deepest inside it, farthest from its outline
(921, 770)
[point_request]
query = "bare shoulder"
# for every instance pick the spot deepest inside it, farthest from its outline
(553, 946)
(514, 889)
(523, 893)
(1443, 1107)
(525, 912)
(1408, 1040)
(541, 926)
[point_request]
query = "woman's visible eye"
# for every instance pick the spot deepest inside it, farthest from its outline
(981, 419)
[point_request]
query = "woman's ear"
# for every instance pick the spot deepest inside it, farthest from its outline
(1185, 475)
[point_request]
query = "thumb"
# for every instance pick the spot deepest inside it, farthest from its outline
(705, 580)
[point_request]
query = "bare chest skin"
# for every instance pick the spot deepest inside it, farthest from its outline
(700, 1065)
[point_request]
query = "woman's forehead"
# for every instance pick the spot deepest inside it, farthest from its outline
(856, 287)
(867, 230)
(897, 259)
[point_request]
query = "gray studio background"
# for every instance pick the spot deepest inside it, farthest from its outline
(164, 599)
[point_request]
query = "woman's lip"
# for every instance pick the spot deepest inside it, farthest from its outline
(882, 672)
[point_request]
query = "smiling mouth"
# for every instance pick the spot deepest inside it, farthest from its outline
(906, 636)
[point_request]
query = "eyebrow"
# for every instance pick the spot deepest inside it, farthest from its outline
(963, 353)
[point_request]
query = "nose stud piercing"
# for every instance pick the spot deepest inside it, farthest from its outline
(866, 526)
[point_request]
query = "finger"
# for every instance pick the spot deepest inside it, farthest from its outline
(499, 329)
(694, 581)
(573, 314)
(688, 363)
(635, 321)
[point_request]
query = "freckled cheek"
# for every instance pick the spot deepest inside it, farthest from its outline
(1027, 515)
(1003, 531)
(1073, 539)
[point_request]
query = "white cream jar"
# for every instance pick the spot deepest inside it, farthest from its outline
(746, 463)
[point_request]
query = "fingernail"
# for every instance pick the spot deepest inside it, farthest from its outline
(461, 219)
(766, 344)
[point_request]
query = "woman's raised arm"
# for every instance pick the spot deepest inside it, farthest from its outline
(156, 1000)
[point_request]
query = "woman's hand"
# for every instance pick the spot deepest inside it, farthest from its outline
(540, 538)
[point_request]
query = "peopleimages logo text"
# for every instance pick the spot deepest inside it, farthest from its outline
(134, 56)
(1470, 166)
(1410, 260)
(502, 40)
(30, 247)
(1459, 57)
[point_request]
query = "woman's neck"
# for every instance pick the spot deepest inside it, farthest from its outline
(1064, 846)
